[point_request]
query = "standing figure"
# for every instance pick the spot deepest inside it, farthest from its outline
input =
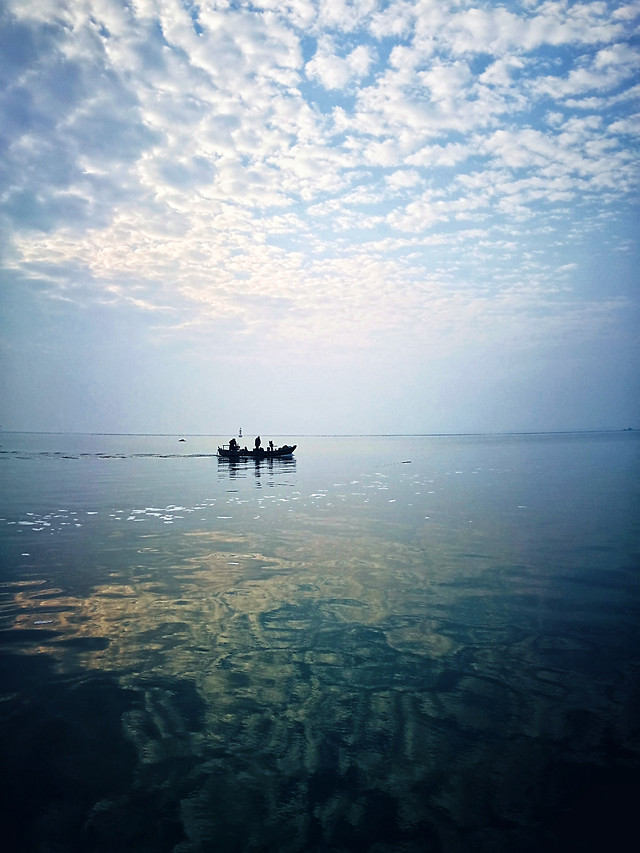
(258, 442)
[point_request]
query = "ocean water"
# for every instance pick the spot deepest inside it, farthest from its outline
(385, 644)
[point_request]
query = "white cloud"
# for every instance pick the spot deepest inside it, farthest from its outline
(442, 155)
(396, 20)
(184, 162)
(344, 14)
(445, 82)
(627, 13)
(630, 125)
(610, 68)
(403, 179)
(335, 72)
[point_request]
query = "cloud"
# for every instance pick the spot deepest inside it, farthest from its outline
(345, 15)
(629, 125)
(409, 165)
(403, 179)
(608, 70)
(334, 71)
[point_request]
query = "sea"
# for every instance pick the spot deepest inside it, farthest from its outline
(387, 644)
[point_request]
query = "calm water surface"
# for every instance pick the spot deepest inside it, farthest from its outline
(386, 644)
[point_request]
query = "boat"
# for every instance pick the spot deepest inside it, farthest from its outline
(236, 453)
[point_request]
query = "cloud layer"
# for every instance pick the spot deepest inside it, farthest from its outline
(325, 176)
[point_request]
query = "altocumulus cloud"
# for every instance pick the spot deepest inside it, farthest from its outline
(443, 176)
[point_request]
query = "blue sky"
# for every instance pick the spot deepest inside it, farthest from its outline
(319, 216)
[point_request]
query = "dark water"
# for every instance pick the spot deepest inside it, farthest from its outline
(386, 644)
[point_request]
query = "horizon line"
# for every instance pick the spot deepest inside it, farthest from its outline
(333, 434)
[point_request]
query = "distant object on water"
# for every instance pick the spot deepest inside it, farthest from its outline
(235, 452)
(182, 439)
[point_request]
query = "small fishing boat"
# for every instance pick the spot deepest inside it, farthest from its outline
(236, 453)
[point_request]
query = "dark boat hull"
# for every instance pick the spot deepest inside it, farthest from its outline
(284, 452)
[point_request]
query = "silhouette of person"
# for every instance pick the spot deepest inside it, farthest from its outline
(258, 442)
(233, 444)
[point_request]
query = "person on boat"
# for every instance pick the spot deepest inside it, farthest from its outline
(271, 446)
(258, 442)
(233, 445)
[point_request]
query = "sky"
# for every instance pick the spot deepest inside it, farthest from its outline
(319, 216)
